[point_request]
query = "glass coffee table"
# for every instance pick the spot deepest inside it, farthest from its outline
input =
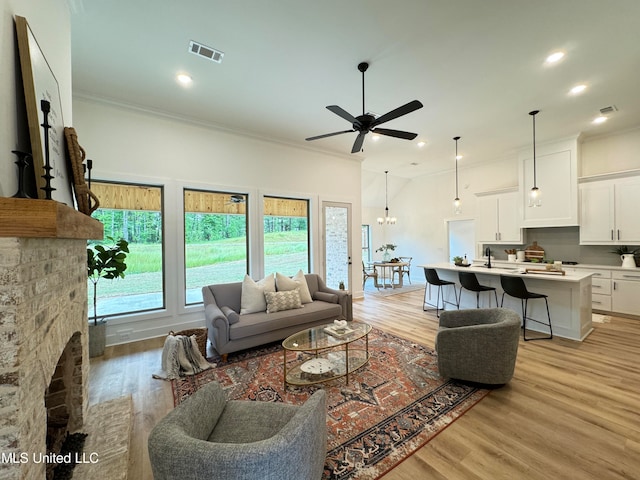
(323, 353)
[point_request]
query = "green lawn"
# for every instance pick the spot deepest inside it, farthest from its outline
(218, 261)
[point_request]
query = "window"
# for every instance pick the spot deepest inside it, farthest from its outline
(132, 212)
(215, 240)
(286, 235)
(366, 243)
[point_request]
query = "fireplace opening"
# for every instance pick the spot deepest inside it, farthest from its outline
(62, 401)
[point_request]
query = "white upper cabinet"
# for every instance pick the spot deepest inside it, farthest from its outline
(608, 212)
(557, 179)
(498, 219)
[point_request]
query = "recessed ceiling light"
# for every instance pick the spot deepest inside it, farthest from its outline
(458, 157)
(600, 119)
(578, 89)
(375, 138)
(421, 144)
(555, 57)
(184, 79)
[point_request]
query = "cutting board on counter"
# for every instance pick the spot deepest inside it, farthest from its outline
(534, 251)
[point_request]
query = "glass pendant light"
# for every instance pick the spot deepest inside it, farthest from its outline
(457, 208)
(389, 220)
(534, 194)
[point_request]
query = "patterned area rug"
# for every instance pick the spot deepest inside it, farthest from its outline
(391, 407)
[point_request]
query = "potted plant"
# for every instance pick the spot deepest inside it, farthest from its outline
(457, 260)
(385, 248)
(626, 255)
(109, 263)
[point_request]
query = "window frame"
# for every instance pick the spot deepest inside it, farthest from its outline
(163, 271)
(308, 204)
(247, 222)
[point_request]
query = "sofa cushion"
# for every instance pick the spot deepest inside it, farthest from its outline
(254, 323)
(252, 297)
(284, 283)
(280, 301)
(232, 315)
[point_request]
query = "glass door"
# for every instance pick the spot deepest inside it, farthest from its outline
(337, 243)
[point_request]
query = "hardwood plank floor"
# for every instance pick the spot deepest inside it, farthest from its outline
(572, 410)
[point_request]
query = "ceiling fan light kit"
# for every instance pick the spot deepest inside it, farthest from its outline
(366, 122)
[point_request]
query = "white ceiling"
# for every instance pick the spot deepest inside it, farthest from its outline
(477, 66)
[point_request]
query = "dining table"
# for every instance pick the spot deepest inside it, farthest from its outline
(386, 274)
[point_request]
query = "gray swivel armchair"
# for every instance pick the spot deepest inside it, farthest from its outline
(478, 345)
(208, 437)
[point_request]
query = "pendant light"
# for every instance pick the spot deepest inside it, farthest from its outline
(457, 209)
(386, 219)
(534, 194)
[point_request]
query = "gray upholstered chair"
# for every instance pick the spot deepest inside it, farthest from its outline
(208, 437)
(478, 345)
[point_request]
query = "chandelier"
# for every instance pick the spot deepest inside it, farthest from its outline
(389, 220)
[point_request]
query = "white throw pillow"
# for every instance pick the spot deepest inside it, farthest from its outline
(280, 301)
(252, 298)
(285, 283)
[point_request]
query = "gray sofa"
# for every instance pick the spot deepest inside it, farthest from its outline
(479, 345)
(208, 437)
(229, 331)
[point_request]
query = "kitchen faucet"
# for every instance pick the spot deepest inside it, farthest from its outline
(487, 252)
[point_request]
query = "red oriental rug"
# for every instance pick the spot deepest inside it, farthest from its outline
(391, 407)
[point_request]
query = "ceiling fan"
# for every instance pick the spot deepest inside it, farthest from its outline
(366, 122)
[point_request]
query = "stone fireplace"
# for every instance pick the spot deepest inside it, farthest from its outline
(44, 358)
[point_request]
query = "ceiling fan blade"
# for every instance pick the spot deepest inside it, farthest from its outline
(329, 135)
(395, 133)
(357, 145)
(341, 112)
(398, 112)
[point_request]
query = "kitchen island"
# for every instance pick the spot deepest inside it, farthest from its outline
(569, 295)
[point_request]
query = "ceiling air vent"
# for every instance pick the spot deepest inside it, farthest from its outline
(206, 52)
(608, 110)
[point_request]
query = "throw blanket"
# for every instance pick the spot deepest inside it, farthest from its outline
(180, 357)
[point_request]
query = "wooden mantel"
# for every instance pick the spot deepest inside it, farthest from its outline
(30, 218)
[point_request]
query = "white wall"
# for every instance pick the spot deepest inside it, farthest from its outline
(50, 23)
(612, 153)
(131, 145)
(423, 205)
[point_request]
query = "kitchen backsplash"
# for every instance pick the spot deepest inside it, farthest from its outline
(563, 243)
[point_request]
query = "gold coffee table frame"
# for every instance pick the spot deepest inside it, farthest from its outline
(317, 343)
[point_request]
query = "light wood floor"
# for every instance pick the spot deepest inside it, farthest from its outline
(572, 411)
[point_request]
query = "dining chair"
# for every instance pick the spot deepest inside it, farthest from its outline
(403, 269)
(367, 273)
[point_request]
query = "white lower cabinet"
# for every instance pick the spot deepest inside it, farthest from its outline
(600, 288)
(625, 293)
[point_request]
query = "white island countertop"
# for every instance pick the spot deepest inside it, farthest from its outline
(569, 295)
(515, 269)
